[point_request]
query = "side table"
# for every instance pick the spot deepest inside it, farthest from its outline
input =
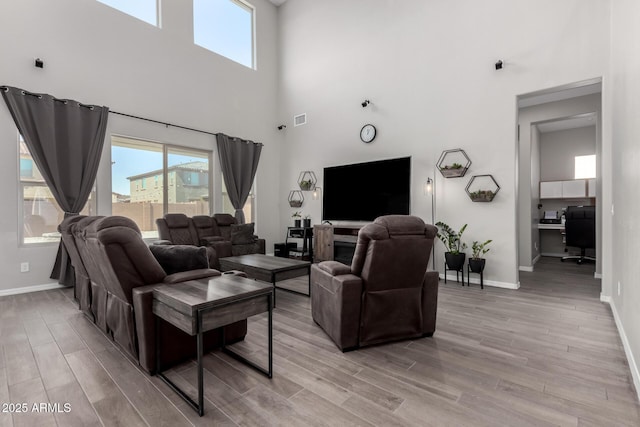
(197, 306)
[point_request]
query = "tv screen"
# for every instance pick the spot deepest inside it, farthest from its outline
(365, 191)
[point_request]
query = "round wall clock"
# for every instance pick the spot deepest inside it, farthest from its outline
(368, 133)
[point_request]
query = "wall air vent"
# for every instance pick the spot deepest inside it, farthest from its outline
(300, 119)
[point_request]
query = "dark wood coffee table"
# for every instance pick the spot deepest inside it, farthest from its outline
(198, 306)
(269, 269)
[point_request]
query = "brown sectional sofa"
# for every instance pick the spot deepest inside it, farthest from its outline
(220, 234)
(122, 273)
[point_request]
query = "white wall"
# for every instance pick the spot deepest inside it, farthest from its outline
(528, 198)
(626, 177)
(559, 149)
(428, 68)
(534, 189)
(98, 55)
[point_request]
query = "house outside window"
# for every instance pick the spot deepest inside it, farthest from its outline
(137, 161)
(39, 213)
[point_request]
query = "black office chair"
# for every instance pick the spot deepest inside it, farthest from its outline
(580, 231)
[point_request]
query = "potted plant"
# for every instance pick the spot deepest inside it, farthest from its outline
(452, 170)
(307, 221)
(476, 262)
(452, 240)
(306, 185)
(296, 218)
(482, 195)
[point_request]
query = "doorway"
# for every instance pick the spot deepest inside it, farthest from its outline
(555, 127)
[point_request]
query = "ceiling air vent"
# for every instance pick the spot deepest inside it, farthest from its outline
(300, 119)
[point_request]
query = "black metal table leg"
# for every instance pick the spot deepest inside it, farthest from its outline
(198, 407)
(200, 345)
(273, 282)
(268, 372)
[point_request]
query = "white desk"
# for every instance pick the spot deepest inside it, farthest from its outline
(551, 227)
(552, 242)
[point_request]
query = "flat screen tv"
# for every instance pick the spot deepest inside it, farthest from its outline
(365, 191)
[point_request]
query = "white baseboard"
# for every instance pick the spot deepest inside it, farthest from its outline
(476, 280)
(633, 366)
(605, 298)
(528, 268)
(27, 289)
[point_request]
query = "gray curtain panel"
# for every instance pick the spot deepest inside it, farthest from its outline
(65, 139)
(239, 161)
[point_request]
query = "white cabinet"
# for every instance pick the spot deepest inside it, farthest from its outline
(551, 190)
(591, 187)
(573, 189)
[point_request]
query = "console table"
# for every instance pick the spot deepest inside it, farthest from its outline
(197, 306)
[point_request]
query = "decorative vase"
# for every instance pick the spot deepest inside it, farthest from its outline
(296, 223)
(477, 264)
(455, 261)
(306, 223)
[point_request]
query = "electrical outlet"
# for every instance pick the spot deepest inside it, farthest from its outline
(535, 245)
(618, 288)
(612, 212)
(24, 267)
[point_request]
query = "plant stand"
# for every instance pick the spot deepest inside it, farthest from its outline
(469, 271)
(461, 271)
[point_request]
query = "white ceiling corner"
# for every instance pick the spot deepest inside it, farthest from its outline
(277, 2)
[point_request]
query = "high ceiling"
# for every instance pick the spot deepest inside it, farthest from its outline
(277, 2)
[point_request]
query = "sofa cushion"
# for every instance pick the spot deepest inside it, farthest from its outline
(242, 234)
(177, 258)
(177, 220)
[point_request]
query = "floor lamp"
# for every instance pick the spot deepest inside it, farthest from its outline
(317, 196)
(430, 188)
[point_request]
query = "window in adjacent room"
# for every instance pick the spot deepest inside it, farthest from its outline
(225, 27)
(136, 163)
(145, 10)
(585, 167)
(40, 214)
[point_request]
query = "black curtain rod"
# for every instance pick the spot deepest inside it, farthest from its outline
(38, 95)
(163, 123)
(24, 92)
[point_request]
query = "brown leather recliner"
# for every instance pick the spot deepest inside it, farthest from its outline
(130, 272)
(241, 243)
(387, 294)
(98, 305)
(179, 229)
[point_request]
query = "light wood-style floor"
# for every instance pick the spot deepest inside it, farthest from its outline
(547, 354)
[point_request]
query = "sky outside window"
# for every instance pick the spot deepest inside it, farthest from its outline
(145, 10)
(224, 27)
